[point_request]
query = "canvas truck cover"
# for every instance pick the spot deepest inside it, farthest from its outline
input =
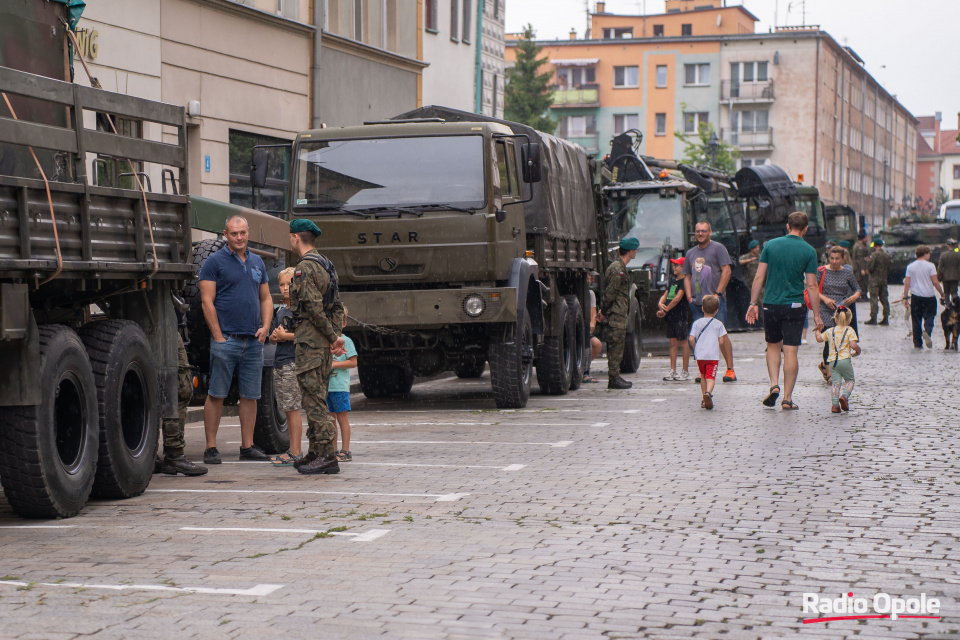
(562, 205)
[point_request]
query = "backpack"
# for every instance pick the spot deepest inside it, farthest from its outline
(806, 294)
(333, 288)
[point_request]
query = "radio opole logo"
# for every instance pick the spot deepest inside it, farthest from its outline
(881, 605)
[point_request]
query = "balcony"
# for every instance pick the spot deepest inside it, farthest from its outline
(746, 92)
(761, 140)
(586, 95)
(590, 141)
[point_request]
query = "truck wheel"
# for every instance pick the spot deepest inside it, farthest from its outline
(578, 323)
(270, 431)
(50, 450)
(471, 367)
(633, 348)
(511, 365)
(379, 381)
(126, 379)
(555, 365)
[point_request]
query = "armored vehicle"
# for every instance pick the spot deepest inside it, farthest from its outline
(902, 240)
(88, 332)
(458, 240)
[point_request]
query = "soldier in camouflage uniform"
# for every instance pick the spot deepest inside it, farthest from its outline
(948, 270)
(878, 265)
(615, 311)
(859, 254)
(174, 461)
(318, 315)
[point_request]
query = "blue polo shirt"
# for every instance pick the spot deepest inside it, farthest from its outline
(238, 290)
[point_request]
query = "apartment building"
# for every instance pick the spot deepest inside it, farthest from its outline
(794, 97)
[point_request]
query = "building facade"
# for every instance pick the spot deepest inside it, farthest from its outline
(795, 98)
(492, 47)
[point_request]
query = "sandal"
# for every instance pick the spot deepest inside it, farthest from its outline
(285, 459)
(771, 398)
(344, 456)
(588, 378)
(788, 405)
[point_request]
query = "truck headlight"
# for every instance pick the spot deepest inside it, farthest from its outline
(474, 305)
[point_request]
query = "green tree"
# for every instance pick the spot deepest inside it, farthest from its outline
(527, 96)
(697, 150)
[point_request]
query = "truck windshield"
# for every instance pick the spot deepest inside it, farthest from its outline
(652, 220)
(365, 173)
(951, 213)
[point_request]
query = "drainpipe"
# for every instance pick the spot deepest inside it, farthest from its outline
(478, 75)
(315, 71)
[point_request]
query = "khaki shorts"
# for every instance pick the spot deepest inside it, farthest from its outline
(286, 388)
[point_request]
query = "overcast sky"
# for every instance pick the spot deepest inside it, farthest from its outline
(910, 47)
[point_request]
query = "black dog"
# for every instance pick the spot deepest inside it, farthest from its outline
(950, 319)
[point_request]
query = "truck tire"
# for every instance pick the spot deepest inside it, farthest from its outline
(555, 364)
(270, 431)
(49, 457)
(472, 367)
(632, 350)
(380, 381)
(198, 333)
(578, 323)
(127, 399)
(511, 365)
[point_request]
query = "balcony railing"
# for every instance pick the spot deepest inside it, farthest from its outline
(587, 95)
(738, 91)
(590, 141)
(762, 139)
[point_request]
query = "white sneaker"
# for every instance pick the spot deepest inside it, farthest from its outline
(684, 376)
(671, 377)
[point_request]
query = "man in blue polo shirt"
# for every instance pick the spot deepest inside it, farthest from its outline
(238, 309)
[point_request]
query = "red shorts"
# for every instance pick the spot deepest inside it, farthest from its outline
(708, 369)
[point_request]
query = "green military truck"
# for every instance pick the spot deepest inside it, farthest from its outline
(843, 223)
(458, 240)
(88, 332)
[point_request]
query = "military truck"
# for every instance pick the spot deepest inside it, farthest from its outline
(950, 212)
(88, 332)
(458, 240)
(662, 212)
(901, 241)
(843, 223)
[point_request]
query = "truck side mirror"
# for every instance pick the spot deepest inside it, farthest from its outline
(258, 169)
(530, 159)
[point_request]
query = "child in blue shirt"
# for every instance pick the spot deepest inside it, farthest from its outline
(338, 393)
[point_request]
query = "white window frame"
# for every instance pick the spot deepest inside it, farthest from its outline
(625, 121)
(697, 121)
(626, 68)
(698, 80)
(666, 76)
(657, 131)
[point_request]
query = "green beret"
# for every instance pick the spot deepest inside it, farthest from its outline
(629, 244)
(296, 226)
(753, 244)
(878, 241)
(845, 244)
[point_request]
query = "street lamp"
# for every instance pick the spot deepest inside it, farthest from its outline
(885, 164)
(713, 146)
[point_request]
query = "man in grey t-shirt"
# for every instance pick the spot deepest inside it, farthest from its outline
(717, 258)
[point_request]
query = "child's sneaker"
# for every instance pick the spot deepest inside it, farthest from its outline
(671, 377)
(844, 404)
(684, 376)
(835, 409)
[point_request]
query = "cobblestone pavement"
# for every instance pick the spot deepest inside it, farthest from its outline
(593, 515)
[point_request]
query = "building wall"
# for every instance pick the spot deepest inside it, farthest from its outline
(949, 179)
(928, 177)
(363, 86)
(450, 79)
(492, 58)
(707, 22)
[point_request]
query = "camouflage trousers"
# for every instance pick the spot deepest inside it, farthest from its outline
(864, 283)
(950, 290)
(321, 428)
(286, 388)
(173, 441)
(878, 293)
(616, 342)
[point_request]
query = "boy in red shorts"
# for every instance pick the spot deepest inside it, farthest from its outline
(707, 337)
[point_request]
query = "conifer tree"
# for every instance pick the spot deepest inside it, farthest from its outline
(527, 96)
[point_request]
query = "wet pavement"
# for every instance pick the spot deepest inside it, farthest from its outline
(598, 514)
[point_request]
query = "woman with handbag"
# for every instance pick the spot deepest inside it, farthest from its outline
(838, 287)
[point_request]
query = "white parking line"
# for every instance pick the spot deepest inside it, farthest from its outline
(561, 443)
(462, 424)
(366, 536)
(439, 497)
(39, 526)
(259, 590)
(600, 424)
(657, 399)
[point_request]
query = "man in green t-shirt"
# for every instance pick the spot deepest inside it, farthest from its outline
(786, 265)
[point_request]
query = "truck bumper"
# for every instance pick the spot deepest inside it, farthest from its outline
(429, 308)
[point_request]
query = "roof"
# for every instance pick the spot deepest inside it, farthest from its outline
(574, 62)
(948, 145)
(675, 13)
(928, 123)
(924, 150)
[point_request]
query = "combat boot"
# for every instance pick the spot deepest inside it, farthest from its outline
(321, 464)
(871, 321)
(885, 322)
(172, 465)
(619, 383)
(310, 457)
